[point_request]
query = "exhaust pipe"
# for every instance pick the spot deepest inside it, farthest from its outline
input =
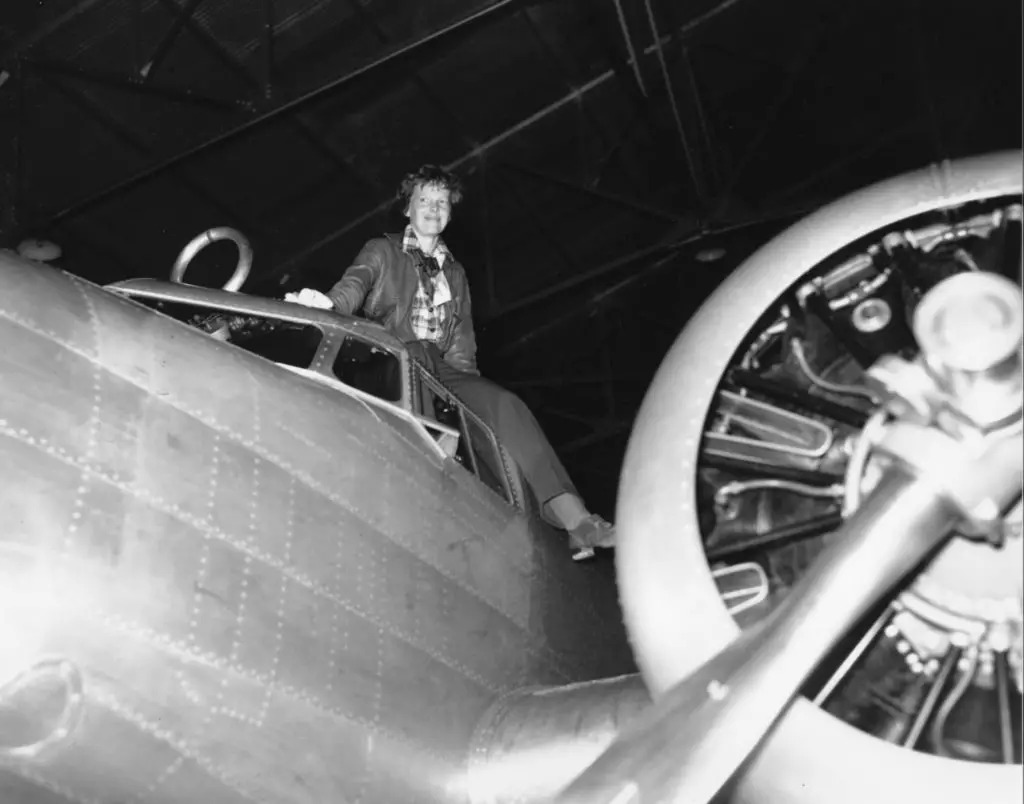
(533, 742)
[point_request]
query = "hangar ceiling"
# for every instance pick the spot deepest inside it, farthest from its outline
(604, 144)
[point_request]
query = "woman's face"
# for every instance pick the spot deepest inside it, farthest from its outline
(429, 209)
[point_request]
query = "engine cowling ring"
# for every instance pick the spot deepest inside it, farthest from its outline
(675, 626)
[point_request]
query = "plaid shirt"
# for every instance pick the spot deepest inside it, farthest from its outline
(426, 317)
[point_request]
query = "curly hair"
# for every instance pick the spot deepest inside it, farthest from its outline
(430, 176)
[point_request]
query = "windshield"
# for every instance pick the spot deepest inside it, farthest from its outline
(369, 368)
(290, 343)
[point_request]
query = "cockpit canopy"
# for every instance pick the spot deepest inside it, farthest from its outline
(353, 356)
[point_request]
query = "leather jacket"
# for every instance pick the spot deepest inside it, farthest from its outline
(381, 283)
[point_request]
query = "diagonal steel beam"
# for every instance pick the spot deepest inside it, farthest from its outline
(12, 132)
(488, 248)
(371, 22)
(600, 16)
(19, 195)
(545, 232)
(208, 41)
(295, 259)
(468, 23)
(926, 92)
(664, 252)
(307, 128)
(631, 49)
(72, 233)
(682, 30)
(163, 47)
(119, 130)
(702, 118)
(625, 261)
(641, 115)
(768, 121)
(609, 326)
(315, 136)
(136, 35)
(591, 119)
(44, 29)
(843, 161)
(770, 118)
(594, 192)
(589, 305)
(688, 154)
(310, 131)
(267, 48)
(605, 433)
(132, 84)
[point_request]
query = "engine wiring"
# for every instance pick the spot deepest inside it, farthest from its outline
(906, 259)
(725, 495)
(857, 467)
(937, 733)
(797, 348)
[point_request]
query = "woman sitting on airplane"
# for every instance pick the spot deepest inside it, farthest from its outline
(413, 285)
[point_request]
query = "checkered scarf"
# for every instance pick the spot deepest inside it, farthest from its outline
(426, 318)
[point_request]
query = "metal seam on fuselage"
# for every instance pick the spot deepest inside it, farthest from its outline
(23, 771)
(279, 463)
(94, 415)
(183, 747)
(241, 546)
(181, 651)
(555, 659)
(187, 653)
(485, 496)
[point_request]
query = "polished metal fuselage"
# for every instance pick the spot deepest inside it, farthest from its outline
(221, 582)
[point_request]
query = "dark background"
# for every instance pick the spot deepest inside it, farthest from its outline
(604, 145)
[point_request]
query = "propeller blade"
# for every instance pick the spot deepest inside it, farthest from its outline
(703, 729)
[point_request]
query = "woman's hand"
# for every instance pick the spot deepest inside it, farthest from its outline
(308, 297)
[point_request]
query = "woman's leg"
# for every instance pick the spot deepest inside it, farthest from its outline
(520, 433)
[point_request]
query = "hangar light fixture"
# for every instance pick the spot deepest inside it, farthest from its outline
(710, 254)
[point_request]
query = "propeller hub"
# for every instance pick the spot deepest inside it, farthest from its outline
(970, 323)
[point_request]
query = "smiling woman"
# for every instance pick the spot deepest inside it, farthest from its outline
(413, 285)
(428, 196)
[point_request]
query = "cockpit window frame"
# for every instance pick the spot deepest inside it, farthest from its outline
(335, 328)
(510, 493)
